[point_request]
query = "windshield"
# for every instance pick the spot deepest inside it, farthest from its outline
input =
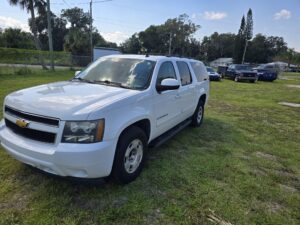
(123, 72)
(210, 70)
(243, 67)
(263, 66)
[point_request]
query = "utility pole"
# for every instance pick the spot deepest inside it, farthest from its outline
(91, 29)
(245, 49)
(170, 44)
(50, 34)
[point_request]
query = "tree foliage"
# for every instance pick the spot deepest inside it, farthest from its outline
(156, 38)
(16, 38)
(218, 46)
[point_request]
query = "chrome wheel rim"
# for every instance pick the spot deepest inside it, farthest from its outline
(199, 115)
(133, 156)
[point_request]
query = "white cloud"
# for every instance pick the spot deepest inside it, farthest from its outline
(117, 36)
(283, 14)
(214, 15)
(6, 22)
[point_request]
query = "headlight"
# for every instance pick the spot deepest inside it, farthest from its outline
(83, 131)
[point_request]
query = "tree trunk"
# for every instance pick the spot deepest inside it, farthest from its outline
(34, 31)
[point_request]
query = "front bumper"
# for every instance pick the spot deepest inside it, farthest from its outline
(214, 77)
(247, 78)
(75, 160)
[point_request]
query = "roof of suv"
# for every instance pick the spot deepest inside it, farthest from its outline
(147, 57)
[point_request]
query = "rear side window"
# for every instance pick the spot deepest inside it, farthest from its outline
(184, 72)
(166, 70)
(199, 70)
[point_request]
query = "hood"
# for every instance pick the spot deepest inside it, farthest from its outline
(66, 100)
(213, 73)
(246, 71)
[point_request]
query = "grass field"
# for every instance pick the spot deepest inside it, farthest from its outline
(242, 166)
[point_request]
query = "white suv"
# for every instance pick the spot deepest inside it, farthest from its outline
(101, 122)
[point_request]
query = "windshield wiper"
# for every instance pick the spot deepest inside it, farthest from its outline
(111, 83)
(83, 80)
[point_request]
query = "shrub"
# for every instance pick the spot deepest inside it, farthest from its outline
(23, 71)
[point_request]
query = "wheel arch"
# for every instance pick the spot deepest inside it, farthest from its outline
(144, 124)
(203, 98)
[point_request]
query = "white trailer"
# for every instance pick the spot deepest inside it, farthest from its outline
(100, 51)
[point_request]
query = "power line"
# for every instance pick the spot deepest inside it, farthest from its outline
(79, 3)
(66, 3)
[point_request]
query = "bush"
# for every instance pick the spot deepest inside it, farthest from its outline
(23, 71)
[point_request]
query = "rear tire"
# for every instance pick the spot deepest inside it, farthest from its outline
(197, 118)
(130, 155)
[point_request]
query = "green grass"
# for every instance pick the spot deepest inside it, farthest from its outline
(292, 74)
(242, 166)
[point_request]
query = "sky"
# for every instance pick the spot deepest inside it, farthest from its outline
(117, 20)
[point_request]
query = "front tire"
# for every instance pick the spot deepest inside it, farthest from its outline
(236, 79)
(253, 81)
(197, 118)
(130, 155)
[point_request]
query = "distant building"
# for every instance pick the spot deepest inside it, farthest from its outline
(101, 51)
(221, 62)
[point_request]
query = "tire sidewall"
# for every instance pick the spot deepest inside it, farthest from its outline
(195, 122)
(119, 172)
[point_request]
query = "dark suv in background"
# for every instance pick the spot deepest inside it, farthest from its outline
(266, 72)
(239, 72)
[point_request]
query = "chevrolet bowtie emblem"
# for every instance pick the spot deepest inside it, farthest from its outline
(22, 123)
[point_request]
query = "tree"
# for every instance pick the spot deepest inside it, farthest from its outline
(132, 45)
(249, 26)
(77, 38)
(218, 45)
(30, 6)
(240, 42)
(77, 18)
(263, 49)
(156, 38)
(16, 38)
(59, 31)
(244, 35)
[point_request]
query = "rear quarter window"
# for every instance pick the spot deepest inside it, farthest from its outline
(184, 73)
(199, 70)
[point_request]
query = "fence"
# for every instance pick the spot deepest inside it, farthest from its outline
(35, 58)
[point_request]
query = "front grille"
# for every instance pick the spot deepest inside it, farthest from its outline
(249, 74)
(31, 117)
(30, 133)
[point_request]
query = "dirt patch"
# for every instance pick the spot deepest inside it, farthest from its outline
(286, 78)
(154, 216)
(273, 207)
(266, 156)
(17, 202)
(293, 86)
(283, 172)
(290, 104)
(212, 217)
(259, 172)
(287, 188)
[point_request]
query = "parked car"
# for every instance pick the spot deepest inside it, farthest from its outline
(102, 121)
(266, 73)
(239, 72)
(222, 70)
(213, 75)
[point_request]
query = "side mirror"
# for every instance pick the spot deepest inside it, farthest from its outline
(77, 72)
(167, 84)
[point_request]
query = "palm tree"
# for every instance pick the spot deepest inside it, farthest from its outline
(30, 6)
